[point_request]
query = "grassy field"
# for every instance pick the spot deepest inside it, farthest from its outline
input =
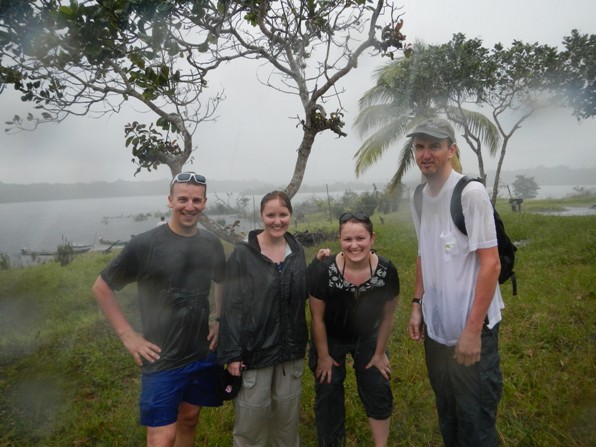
(65, 379)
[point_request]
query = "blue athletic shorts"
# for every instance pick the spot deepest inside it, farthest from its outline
(163, 391)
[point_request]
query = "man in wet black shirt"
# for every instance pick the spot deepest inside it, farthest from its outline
(173, 266)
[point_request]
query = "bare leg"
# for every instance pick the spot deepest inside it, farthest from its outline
(186, 425)
(163, 436)
(380, 431)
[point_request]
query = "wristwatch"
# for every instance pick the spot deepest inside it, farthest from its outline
(417, 301)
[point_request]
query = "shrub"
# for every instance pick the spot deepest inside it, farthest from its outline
(4, 261)
(64, 253)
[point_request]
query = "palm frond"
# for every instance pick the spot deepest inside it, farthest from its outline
(380, 115)
(406, 161)
(482, 127)
(375, 146)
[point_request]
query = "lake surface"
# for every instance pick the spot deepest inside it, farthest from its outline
(44, 225)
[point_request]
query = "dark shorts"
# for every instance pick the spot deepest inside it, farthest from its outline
(163, 391)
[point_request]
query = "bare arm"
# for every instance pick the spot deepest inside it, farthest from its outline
(134, 342)
(468, 347)
(214, 324)
(380, 359)
(325, 362)
(415, 329)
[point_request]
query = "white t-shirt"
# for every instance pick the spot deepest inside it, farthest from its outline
(449, 262)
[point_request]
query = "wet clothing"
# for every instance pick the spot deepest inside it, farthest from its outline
(352, 318)
(173, 275)
(267, 410)
(466, 397)
(373, 389)
(353, 311)
(263, 313)
(195, 383)
(263, 324)
(448, 257)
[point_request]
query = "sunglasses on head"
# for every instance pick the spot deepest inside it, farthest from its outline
(185, 177)
(358, 215)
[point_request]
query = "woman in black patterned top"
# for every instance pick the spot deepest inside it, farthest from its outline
(353, 295)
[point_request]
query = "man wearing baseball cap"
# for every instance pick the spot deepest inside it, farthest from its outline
(457, 303)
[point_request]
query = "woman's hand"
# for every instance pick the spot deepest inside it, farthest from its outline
(381, 362)
(324, 367)
(323, 253)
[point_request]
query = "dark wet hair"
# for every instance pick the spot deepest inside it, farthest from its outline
(280, 195)
(358, 217)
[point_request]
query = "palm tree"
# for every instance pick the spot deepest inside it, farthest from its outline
(413, 89)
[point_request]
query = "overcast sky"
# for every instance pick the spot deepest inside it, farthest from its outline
(259, 141)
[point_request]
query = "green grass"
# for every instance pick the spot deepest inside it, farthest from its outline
(66, 380)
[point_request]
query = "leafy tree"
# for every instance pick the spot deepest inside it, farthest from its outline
(90, 58)
(578, 73)
(434, 80)
(518, 87)
(367, 202)
(82, 57)
(525, 187)
(389, 200)
(508, 83)
(308, 46)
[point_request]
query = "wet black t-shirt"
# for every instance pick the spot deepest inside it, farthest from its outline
(353, 311)
(173, 275)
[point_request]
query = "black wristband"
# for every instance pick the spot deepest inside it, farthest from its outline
(416, 300)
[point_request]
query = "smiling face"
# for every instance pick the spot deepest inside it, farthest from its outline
(356, 241)
(187, 201)
(276, 218)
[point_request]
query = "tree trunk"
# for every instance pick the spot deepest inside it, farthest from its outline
(303, 153)
(219, 231)
(498, 172)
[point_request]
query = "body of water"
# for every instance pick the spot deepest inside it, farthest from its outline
(44, 225)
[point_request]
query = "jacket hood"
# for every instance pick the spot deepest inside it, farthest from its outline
(253, 243)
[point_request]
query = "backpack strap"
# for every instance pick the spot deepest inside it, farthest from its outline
(513, 283)
(418, 200)
(457, 213)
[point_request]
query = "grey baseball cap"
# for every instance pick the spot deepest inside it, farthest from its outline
(434, 127)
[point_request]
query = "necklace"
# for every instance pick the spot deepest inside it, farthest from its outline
(343, 269)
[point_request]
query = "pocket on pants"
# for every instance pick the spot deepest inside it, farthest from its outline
(249, 378)
(297, 368)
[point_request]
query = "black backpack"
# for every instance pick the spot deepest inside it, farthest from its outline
(506, 248)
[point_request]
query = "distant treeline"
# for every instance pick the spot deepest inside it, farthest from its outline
(561, 175)
(67, 191)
